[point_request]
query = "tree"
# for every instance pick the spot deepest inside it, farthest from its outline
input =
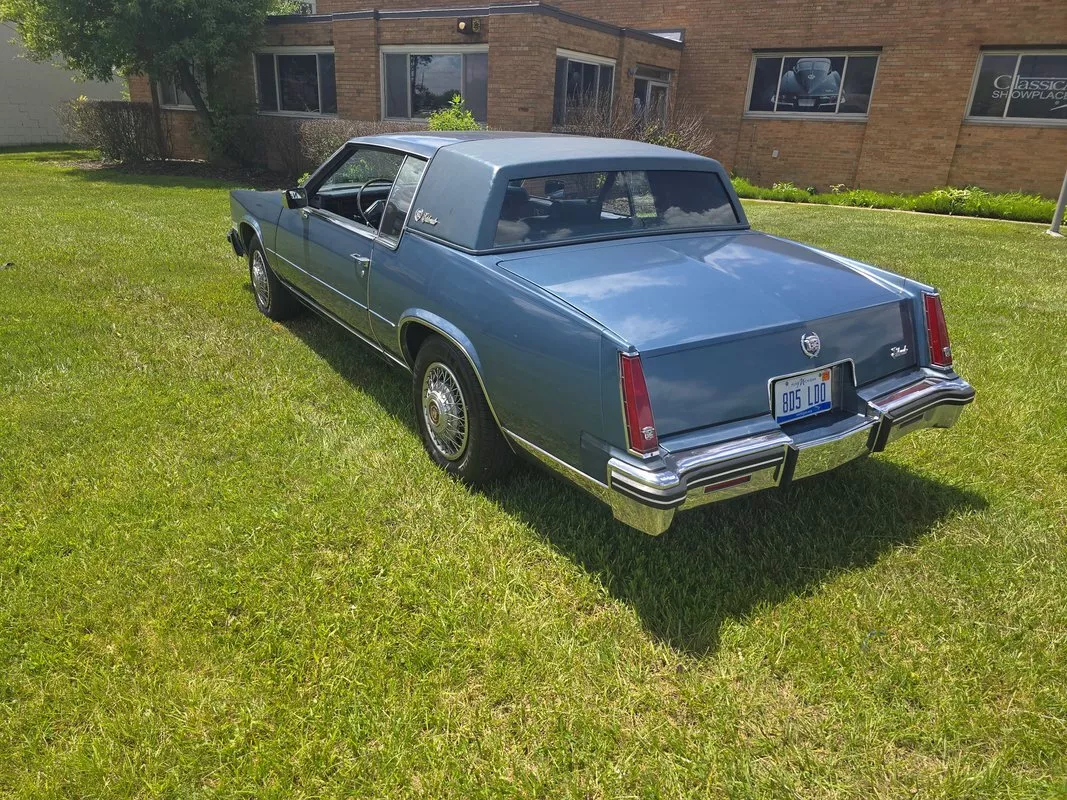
(188, 41)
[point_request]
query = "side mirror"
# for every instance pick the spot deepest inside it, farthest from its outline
(295, 198)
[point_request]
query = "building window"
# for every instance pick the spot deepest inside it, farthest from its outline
(584, 84)
(293, 81)
(172, 96)
(418, 81)
(651, 87)
(812, 84)
(1018, 86)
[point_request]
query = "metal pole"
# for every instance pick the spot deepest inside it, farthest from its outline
(1058, 217)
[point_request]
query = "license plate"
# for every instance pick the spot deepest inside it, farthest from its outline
(802, 396)
(805, 102)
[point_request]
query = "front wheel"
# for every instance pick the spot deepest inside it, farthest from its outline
(456, 425)
(273, 299)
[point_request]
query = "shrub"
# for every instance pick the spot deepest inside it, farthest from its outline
(232, 137)
(120, 130)
(685, 127)
(457, 117)
(971, 201)
(297, 146)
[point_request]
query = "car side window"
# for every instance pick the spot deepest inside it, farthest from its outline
(363, 165)
(359, 185)
(396, 210)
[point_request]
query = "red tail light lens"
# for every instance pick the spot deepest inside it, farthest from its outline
(937, 331)
(640, 426)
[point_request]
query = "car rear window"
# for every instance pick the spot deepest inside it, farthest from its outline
(587, 205)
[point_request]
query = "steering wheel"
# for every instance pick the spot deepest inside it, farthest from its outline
(359, 197)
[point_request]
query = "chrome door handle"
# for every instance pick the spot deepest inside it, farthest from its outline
(362, 264)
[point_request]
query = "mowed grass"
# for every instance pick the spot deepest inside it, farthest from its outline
(227, 568)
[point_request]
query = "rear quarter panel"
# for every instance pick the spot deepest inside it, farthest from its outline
(540, 361)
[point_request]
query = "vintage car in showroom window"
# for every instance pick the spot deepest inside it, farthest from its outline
(812, 84)
(603, 307)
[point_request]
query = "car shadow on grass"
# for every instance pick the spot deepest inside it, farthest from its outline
(725, 561)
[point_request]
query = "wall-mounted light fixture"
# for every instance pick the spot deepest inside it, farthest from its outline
(631, 71)
(469, 25)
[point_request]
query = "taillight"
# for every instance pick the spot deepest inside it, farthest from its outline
(937, 331)
(640, 426)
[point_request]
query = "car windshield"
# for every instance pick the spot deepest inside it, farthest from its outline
(588, 205)
(813, 65)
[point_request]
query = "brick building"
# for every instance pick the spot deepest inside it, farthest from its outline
(898, 95)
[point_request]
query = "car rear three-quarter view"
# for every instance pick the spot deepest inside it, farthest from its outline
(603, 307)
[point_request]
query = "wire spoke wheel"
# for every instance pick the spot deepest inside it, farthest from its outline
(260, 282)
(444, 410)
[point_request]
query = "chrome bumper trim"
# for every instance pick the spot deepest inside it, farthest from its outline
(647, 499)
(823, 455)
(932, 402)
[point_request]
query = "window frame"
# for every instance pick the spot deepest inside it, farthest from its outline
(292, 51)
(177, 90)
(394, 242)
(1004, 119)
(651, 82)
(591, 60)
(724, 182)
(410, 50)
(332, 164)
(782, 55)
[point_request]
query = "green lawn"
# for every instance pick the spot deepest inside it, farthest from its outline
(227, 568)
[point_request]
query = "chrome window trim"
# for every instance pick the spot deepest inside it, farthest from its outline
(365, 231)
(387, 241)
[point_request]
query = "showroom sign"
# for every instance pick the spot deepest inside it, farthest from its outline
(1029, 86)
(1051, 89)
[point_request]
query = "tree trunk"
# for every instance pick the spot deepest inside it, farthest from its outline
(157, 118)
(192, 88)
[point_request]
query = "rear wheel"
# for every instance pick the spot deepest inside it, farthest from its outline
(273, 299)
(456, 425)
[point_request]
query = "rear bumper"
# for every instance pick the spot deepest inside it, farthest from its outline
(647, 498)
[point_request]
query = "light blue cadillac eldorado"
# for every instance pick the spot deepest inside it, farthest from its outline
(603, 307)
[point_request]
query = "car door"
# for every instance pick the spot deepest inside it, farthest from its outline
(331, 240)
(391, 273)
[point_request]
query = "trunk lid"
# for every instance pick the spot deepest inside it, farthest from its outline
(716, 316)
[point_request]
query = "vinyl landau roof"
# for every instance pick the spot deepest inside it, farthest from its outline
(464, 184)
(500, 149)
